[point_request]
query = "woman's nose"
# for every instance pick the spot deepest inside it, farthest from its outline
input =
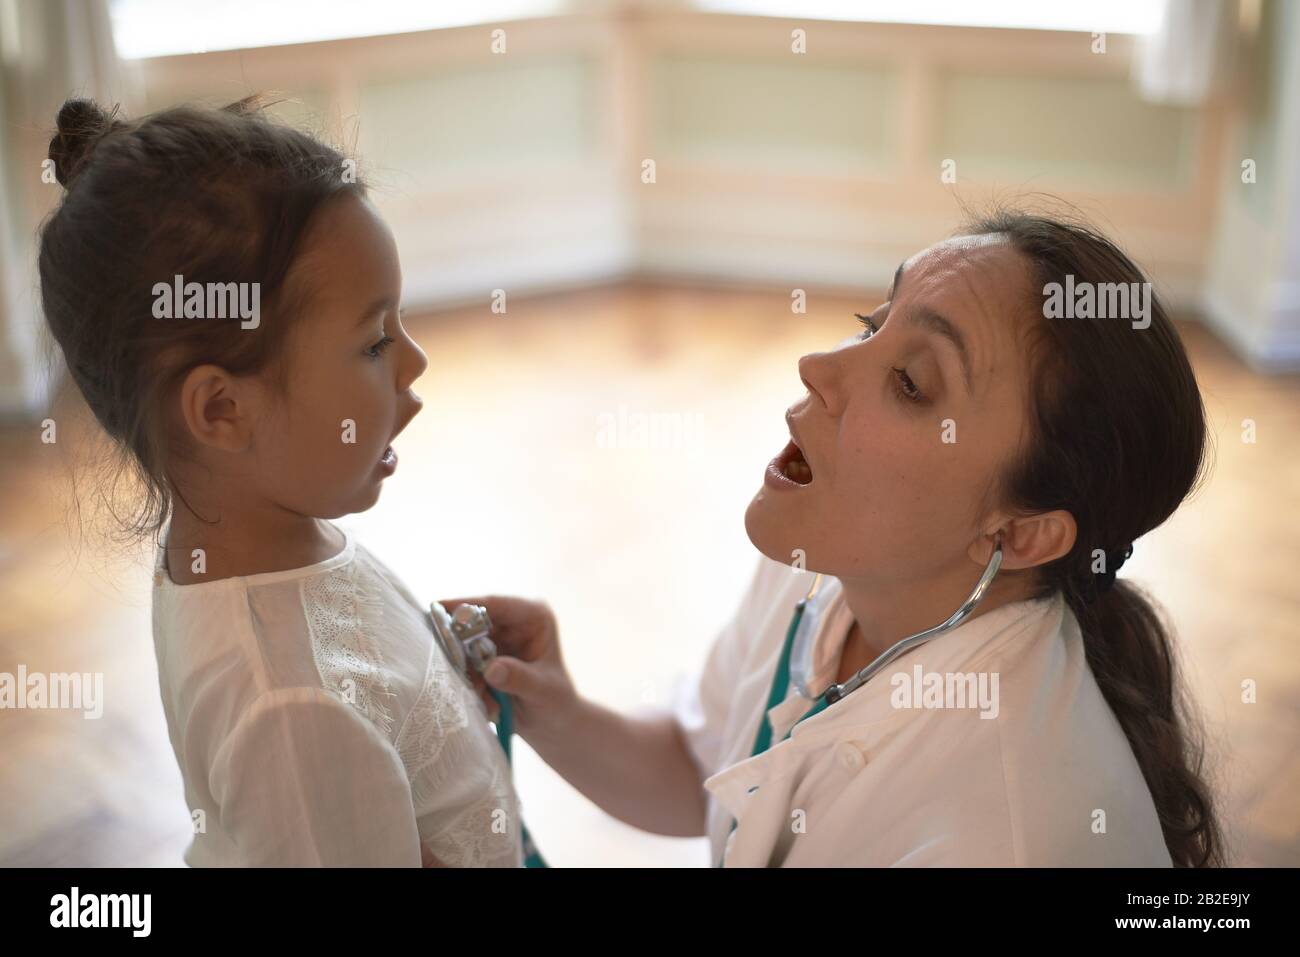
(817, 370)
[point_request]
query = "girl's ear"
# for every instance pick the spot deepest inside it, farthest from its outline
(1029, 540)
(217, 408)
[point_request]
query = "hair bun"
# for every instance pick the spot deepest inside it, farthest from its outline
(81, 124)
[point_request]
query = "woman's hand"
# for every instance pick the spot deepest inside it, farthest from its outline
(637, 768)
(528, 666)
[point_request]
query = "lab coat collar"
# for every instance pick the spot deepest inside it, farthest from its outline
(867, 715)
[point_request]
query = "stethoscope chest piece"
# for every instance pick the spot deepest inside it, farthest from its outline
(464, 636)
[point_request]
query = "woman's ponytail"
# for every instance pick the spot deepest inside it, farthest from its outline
(1116, 437)
(1131, 656)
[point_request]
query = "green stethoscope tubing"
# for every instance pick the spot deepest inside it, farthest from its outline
(781, 683)
(781, 680)
(505, 731)
(781, 687)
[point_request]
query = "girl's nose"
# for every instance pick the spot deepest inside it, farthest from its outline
(417, 362)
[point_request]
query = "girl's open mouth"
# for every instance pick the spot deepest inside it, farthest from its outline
(389, 459)
(790, 467)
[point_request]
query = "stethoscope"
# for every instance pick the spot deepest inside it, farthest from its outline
(798, 648)
(465, 637)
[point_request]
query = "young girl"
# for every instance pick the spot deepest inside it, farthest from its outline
(968, 418)
(226, 298)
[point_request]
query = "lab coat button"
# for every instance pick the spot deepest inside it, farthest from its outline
(850, 757)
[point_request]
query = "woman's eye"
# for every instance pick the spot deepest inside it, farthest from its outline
(903, 383)
(905, 387)
(377, 349)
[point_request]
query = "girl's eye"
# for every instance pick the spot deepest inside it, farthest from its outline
(905, 387)
(377, 349)
(871, 328)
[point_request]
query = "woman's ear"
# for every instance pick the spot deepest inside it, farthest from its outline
(1034, 540)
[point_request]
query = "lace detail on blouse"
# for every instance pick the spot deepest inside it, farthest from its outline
(439, 749)
(438, 741)
(432, 740)
(342, 615)
(487, 832)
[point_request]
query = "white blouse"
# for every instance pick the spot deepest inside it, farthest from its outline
(317, 723)
(1039, 774)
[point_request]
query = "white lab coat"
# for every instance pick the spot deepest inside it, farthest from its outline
(1051, 780)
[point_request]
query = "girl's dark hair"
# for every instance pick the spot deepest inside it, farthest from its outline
(1117, 438)
(216, 195)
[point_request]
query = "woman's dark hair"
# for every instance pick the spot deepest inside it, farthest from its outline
(1117, 438)
(215, 195)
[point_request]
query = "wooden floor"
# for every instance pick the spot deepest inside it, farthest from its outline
(508, 482)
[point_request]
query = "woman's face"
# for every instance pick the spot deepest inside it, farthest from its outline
(903, 430)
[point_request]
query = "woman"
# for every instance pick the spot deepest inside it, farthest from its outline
(965, 420)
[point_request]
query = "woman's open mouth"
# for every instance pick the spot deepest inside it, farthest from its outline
(388, 461)
(789, 469)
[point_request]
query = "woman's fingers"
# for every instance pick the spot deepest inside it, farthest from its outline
(485, 693)
(504, 609)
(519, 679)
(528, 666)
(520, 627)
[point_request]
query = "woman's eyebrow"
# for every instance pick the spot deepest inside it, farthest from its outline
(898, 276)
(931, 321)
(928, 319)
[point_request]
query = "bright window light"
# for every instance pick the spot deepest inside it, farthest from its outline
(145, 28)
(1092, 16)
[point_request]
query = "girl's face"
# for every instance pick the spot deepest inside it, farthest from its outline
(326, 448)
(904, 430)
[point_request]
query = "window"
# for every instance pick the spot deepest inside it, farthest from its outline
(1094, 16)
(145, 28)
